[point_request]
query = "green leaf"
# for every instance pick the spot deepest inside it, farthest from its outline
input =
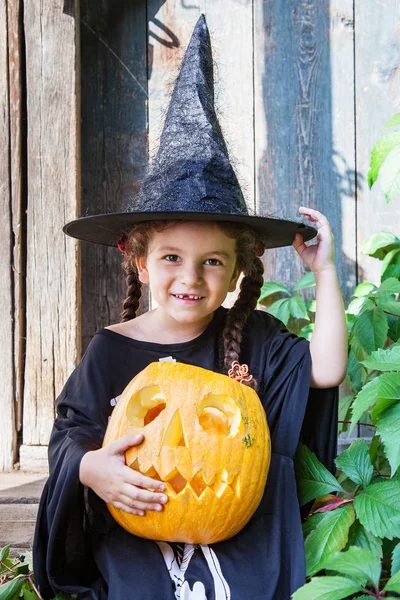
(356, 372)
(311, 306)
(392, 258)
(330, 536)
(394, 327)
(308, 280)
(389, 286)
(371, 329)
(373, 448)
(384, 360)
(358, 563)
(327, 588)
(380, 243)
(364, 399)
(355, 462)
(388, 393)
(281, 310)
(395, 560)
(298, 308)
(389, 175)
(364, 289)
(313, 479)
(378, 508)
(390, 307)
(28, 593)
(311, 522)
(4, 552)
(271, 287)
(393, 585)
(393, 121)
(11, 590)
(359, 536)
(380, 152)
(306, 331)
(360, 305)
(344, 412)
(388, 427)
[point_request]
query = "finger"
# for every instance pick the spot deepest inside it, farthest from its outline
(314, 216)
(137, 493)
(121, 445)
(129, 509)
(135, 478)
(139, 505)
(298, 243)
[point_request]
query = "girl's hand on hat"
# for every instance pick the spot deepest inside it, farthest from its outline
(106, 473)
(319, 256)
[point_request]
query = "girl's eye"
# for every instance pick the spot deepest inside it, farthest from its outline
(214, 262)
(171, 258)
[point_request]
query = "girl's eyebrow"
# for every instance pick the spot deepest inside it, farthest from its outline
(178, 250)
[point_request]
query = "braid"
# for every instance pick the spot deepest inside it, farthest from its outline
(134, 292)
(240, 312)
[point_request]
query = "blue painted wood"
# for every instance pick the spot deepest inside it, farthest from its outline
(114, 140)
(295, 163)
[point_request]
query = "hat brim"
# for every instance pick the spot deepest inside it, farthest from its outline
(107, 229)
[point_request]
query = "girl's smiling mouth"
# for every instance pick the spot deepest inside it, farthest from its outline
(190, 297)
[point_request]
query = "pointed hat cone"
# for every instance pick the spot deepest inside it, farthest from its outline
(191, 176)
(191, 171)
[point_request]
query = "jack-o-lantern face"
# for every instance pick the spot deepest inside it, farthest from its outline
(206, 437)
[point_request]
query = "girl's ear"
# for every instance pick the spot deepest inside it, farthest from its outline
(142, 269)
(234, 280)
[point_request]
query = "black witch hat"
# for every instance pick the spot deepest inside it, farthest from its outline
(191, 177)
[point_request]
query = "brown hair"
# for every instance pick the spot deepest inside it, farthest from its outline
(248, 263)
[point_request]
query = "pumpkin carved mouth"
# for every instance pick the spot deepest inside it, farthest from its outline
(177, 484)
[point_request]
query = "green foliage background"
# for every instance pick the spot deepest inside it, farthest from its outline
(352, 533)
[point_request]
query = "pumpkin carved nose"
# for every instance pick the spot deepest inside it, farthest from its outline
(174, 435)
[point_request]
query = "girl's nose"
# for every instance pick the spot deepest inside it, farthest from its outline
(191, 275)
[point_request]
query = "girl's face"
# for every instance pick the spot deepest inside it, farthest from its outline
(190, 268)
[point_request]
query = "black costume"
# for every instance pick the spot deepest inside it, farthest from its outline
(78, 547)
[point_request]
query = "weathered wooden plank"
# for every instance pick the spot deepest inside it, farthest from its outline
(114, 141)
(18, 210)
(377, 48)
(53, 310)
(7, 430)
(295, 140)
(33, 459)
(343, 131)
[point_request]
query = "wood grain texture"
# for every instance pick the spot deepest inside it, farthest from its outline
(7, 429)
(294, 113)
(114, 141)
(377, 89)
(53, 312)
(18, 200)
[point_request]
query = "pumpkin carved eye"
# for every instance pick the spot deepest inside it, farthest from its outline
(145, 406)
(219, 414)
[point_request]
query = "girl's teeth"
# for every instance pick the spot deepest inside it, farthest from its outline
(190, 297)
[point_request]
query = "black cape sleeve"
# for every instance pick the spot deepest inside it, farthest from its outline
(62, 558)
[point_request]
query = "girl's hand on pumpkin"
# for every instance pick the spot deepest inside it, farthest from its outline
(106, 473)
(319, 256)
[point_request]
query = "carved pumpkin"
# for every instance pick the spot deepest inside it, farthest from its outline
(206, 437)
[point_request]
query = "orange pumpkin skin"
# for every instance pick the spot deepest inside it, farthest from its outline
(206, 436)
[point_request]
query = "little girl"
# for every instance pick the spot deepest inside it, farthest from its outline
(189, 237)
